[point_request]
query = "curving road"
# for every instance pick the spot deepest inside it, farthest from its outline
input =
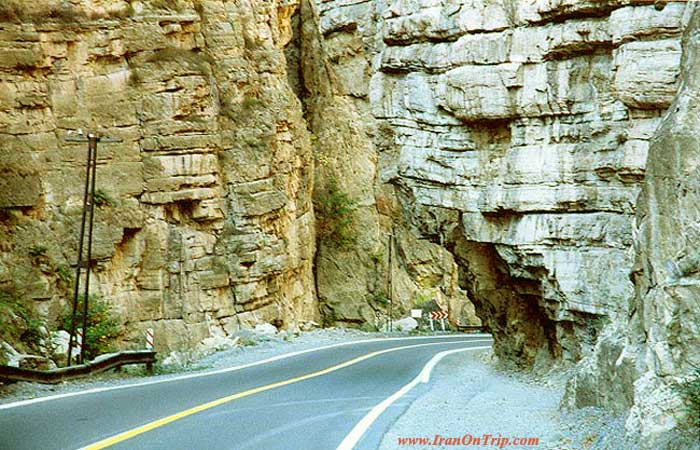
(340, 397)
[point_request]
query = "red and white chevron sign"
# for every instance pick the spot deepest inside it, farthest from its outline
(438, 314)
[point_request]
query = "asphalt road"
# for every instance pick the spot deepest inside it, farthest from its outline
(311, 401)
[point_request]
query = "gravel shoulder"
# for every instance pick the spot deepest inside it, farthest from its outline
(469, 396)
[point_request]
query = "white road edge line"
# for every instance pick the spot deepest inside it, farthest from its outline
(363, 425)
(224, 370)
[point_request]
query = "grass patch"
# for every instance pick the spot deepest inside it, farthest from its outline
(19, 322)
(377, 256)
(64, 273)
(378, 298)
(334, 218)
(368, 327)
(101, 198)
(38, 250)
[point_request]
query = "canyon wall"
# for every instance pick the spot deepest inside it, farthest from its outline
(490, 154)
(229, 114)
(639, 362)
(386, 261)
(206, 219)
(515, 134)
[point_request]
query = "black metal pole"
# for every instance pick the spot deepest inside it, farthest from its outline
(80, 257)
(91, 210)
(391, 281)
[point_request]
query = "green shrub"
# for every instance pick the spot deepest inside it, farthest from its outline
(379, 298)
(64, 273)
(690, 392)
(103, 328)
(368, 327)
(377, 256)
(334, 218)
(19, 321)
(38, 250)
(101, 198)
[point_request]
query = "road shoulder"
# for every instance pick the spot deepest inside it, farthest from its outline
(469, 398)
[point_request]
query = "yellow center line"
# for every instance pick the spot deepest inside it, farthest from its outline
(203, 407)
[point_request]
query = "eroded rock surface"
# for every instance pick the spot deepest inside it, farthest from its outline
(516, 133)
(645, 357)
(210, 191)
(376, 275)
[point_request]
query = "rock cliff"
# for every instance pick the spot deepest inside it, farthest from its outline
(515, 134)
(502, 143)
(208, 196)
(355, 283)
(531, 122)
(640, 360)
(205, 220)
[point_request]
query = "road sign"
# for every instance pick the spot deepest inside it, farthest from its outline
(438, 314)
(416, 313)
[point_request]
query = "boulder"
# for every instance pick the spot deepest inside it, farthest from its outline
(405, 324)
(266, 329)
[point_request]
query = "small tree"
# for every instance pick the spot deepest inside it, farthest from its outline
(334, 217)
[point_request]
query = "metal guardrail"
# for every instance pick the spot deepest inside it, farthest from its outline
(99, 364)
(471, 328)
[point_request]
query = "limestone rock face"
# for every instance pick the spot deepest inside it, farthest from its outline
(659, 343)
(376, 277)
(515, 134)
(207, 220)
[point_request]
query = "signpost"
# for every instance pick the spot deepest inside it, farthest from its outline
(149, 339)
(434, 315)
(88, 219)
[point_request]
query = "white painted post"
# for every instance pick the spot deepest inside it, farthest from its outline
(149, 339)
(442, 324)
(78, 344)
(432, 327)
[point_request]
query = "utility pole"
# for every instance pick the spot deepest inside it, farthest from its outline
(88, 219)
(391, 281)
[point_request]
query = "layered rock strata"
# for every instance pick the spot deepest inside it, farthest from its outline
(387, 269)
(516, 135)
(206, 220)
(641, 361)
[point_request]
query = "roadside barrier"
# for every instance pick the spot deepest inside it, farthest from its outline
(99, 364)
